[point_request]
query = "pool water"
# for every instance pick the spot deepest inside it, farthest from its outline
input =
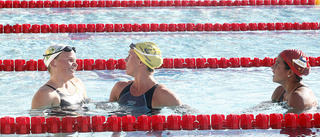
(205, 91)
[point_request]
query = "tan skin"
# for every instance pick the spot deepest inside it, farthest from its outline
(300, 99)
(61, 75)
(143, 81)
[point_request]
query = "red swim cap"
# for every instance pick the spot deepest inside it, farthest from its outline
(297, 61)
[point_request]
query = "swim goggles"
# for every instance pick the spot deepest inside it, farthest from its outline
(66, 49)
(132, 46)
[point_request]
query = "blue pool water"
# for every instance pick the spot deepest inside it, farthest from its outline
(206, 91)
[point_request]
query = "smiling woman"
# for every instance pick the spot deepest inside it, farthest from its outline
(63, 89)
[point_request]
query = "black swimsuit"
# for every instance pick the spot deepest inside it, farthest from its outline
(281, 97)
(145, 100)
(70, 100)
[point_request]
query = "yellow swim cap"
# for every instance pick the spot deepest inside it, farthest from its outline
(148, 53)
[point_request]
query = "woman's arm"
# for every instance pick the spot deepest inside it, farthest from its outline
(277, 94)
(45, 97)
(165, 97)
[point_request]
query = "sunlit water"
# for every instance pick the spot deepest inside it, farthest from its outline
(205, 91)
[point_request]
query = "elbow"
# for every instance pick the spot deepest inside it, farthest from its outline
(300, 107)
(112, 100)
(177, 103)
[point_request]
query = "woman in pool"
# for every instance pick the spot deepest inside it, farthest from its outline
(63, 89)
(288, 69)
(144, 90)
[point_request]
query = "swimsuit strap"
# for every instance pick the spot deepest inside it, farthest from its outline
(77, 90)
(149, 95)
(299, 87)
(58, 90)
(125, 90)
(284, 91)
(281, 97)
(51, 87)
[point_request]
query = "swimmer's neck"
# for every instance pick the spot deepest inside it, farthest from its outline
(143, 82)
(58, 82)
(289, 87)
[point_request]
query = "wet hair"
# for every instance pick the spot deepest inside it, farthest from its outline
(288, 68)
(150, 69)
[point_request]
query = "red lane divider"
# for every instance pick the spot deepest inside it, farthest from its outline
(40, 125)
(111, 64)
(154, 27)
(146, 3)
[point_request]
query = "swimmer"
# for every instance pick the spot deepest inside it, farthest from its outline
(63, 89)
(288, 70)
(144, 90)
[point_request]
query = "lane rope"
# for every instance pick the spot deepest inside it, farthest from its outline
(169, 63)
(147, 3)
(68, 124)
(155, 27)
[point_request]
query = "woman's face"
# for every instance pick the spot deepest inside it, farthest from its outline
(66, 64)
(132, 63)
(279, 70)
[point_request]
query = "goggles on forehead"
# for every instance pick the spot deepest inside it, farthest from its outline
(132, 46)
(66, 49)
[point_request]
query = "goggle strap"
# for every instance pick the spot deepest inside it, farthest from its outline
(64, 49)
(52, 53)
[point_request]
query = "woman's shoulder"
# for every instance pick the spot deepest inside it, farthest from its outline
(117, 89)
(76, 80)
(302, 90)
(279, 89)
(277, 93)
(45, 96)
(165, 97)
(123, 83)
(45, 89)
(164, 91)
(303, 95)
(163, 88)
(46, 92)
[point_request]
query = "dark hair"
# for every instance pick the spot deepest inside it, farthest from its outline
(150, 69)
(288, 68)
